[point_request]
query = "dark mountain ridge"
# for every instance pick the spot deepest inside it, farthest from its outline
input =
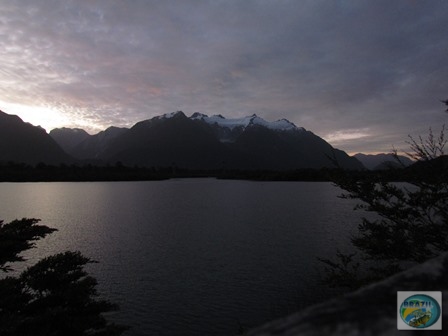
(383, 161)
(68, 138)
(23, 142)
(176, 141)
(94, 146)
(197, 142)
(202, 142)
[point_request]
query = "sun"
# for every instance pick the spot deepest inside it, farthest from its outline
(46, 117)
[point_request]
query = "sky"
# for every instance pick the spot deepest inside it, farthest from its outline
(361, 74)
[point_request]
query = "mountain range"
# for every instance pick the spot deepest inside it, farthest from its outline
(203, 142)
(175, 140)
(383, 161)
(23, 142)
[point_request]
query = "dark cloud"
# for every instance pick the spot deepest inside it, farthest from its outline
(362, 74)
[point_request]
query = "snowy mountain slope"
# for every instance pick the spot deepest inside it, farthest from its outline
(219, 120)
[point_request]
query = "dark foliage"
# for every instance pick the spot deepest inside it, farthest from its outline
(18, 172)
(446, 103)
(56, 296)
(18, 236)
(409, 223)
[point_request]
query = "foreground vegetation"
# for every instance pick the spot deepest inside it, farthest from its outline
(56, 296)
(409, 223)
(19, 172)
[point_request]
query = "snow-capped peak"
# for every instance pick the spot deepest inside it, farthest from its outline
(169, 115)
(279, 125)
(172, 114)
(198, 116)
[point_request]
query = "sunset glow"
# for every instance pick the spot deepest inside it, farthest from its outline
(47, 118)
(330, 67)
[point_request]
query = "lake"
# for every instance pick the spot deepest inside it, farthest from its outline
(192, 256)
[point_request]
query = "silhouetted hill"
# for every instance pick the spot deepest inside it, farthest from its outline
(387, 165)
(68, 138)
(382, 161)
(175, 141)
(435, 169)
(94, 146)
(23, 142)
(295, 149)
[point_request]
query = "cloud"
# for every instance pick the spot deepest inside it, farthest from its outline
(327, 66)
(345, 135)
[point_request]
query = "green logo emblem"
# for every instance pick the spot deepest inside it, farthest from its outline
(420, 311)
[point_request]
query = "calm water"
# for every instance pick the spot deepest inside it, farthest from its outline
(192, 256)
